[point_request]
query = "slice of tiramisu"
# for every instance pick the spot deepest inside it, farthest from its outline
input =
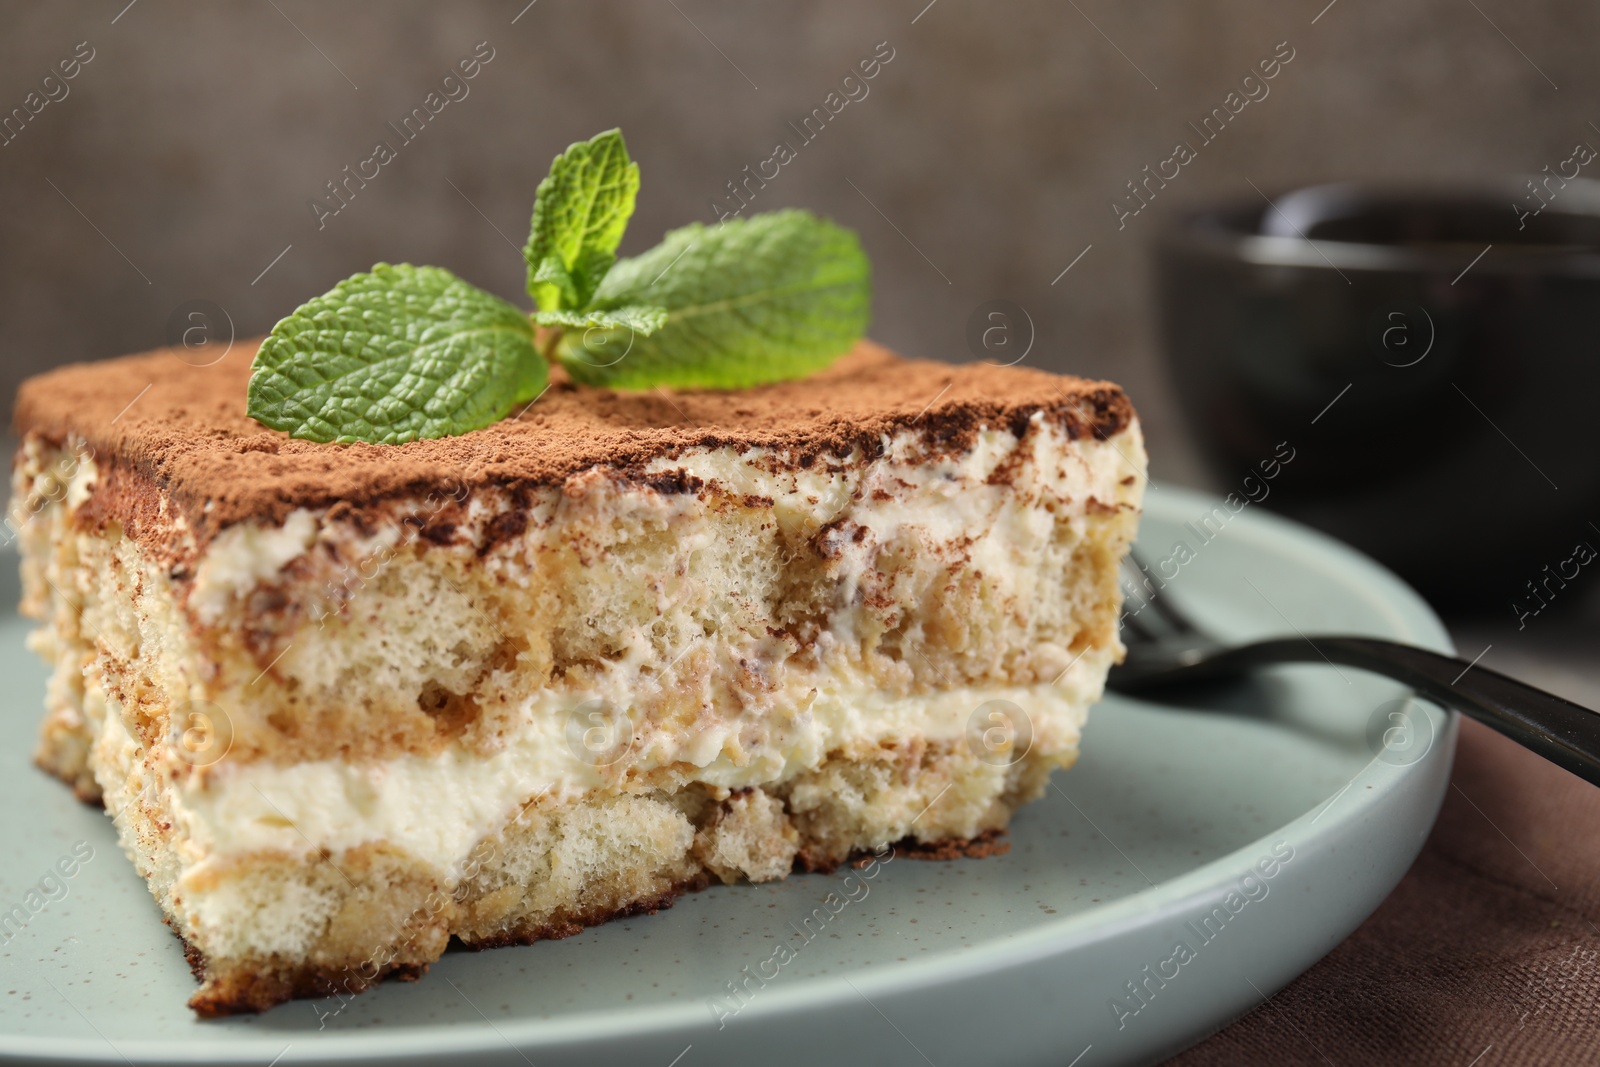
(346, 702)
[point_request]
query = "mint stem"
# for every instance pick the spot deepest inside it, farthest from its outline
(549, 349)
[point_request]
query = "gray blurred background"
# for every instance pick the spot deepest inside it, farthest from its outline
(982, 162)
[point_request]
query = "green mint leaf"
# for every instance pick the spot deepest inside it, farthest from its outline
(643, 321)
(762, 299)
(393, 355)
(551, 285)
(579, 213)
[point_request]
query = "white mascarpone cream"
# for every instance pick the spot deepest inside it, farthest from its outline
(439, 807)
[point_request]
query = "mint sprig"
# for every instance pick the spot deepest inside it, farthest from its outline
(401, 352)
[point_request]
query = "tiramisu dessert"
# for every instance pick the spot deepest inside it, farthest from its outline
(346, 701)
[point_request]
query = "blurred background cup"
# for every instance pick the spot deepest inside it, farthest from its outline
(1429, 354)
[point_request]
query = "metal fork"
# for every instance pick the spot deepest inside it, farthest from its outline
(1166, 648)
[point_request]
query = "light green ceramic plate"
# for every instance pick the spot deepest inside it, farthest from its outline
(1194, 862)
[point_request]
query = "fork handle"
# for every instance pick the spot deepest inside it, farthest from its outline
(1564, 733)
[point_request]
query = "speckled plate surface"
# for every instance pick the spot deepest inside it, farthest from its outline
(1195, 861)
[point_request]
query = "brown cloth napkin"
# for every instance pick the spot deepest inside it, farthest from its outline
(1487, 954)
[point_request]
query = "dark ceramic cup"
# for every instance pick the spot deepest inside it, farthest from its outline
(1431, 357)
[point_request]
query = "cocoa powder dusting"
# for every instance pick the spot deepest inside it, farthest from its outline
(188, 440)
